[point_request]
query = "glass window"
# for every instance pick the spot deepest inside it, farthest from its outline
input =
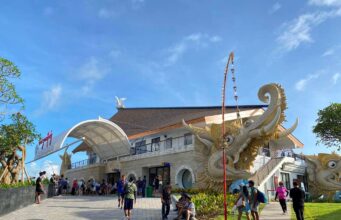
(169, 143)
(188, 139)
(141, 147)
(187, 179)
(156, 144)
(286, 180)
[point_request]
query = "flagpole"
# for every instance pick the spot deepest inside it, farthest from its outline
(230, 59)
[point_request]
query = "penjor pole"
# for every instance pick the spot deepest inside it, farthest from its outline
(230, 59)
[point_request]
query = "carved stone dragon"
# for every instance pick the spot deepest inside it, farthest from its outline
(242, 140)
(324, 173)
(66, 162)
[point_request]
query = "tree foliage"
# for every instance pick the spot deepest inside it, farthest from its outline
(13, 138)
(328, 126)
(8, 93)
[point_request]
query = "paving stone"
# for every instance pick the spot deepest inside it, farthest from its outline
(87, 207)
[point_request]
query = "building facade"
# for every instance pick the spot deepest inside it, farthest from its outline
(159, 145)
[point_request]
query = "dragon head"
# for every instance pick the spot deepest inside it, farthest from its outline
(243, 138)
(325, 171)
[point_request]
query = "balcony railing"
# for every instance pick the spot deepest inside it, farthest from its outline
(174, 144)
(168, 144)
(84, 163)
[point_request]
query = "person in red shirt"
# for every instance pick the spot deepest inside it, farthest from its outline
(282, 193)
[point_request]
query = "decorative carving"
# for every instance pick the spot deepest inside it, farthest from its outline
(324, 173)
(241, 139)
(66, 162)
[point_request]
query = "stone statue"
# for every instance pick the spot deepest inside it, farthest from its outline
(241, 139)
(66, 162)
(324, 174)
(119, 102)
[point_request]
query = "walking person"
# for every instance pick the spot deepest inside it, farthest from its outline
(156, 184)
(130, 190)
(282, 193)
(242, 203)
(144, 185)
(120, 191)
(166, 201)
(39, 187)
(253, 200)
(297, 196)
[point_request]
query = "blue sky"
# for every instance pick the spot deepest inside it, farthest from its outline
(76, 56)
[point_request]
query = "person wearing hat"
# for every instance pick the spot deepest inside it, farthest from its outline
(39, 187)
(282, 193)
(188, 211)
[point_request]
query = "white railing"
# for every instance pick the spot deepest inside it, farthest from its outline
(168, 146)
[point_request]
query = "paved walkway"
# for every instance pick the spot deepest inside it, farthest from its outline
(87, 207)
(273, 211)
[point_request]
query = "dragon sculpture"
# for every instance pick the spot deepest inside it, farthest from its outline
(324, 173)
(66, 162)
(241, 139)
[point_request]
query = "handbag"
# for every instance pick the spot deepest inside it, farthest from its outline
(241, 202)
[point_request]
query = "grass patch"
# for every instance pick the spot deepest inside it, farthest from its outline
(319, 211)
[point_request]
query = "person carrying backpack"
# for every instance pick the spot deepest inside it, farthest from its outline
(253, 198)
(130, 191)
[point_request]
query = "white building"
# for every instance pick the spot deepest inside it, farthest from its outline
(160, 145)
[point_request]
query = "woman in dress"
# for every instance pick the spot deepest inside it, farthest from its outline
(242, 203)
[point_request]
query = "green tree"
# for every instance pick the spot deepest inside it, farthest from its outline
(14, 136)
(8, 94)
(328, 126)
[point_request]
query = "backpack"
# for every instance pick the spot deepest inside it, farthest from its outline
(261, 197)
(129, 188)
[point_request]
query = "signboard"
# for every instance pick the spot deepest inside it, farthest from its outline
(48, 145)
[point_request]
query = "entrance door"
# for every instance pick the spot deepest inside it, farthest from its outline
(162, 172)
(113, 177)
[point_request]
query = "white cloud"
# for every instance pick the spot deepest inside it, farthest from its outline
(197, 40)
(328, 52)
(299, 30)
(275, 8)
(91, 72)
(106, 13)
(336, 78)
(325, 2)
(302, 83)
(215, 39)
(51, 99)
(33, 168)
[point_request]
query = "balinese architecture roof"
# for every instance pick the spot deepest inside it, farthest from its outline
(136, 121)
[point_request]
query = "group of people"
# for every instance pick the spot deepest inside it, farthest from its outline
(247, 200)
(127, 194)
(297, 195)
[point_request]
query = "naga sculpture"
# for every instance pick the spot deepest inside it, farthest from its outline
(242, 140)
(324, 174)
(66, 162)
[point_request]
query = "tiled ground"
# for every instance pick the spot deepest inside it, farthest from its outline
(87, 207)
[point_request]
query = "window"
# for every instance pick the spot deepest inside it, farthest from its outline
(156, 144)
(140, 147)
(266, 150)
(188, 139)
(286, 180)
(169, 143)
